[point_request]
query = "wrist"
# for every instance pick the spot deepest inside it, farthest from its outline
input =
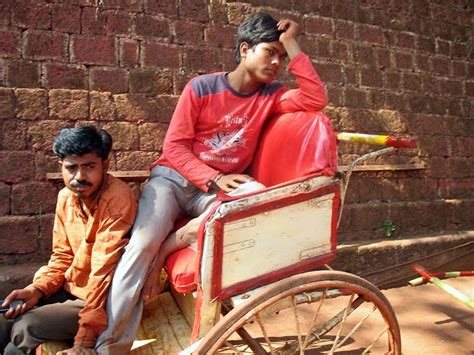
(216, 179)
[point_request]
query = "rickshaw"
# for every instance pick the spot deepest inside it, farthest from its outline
(259, 280)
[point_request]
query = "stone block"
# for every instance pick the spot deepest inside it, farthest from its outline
(152, 136)
(151, 26)
(23, 74)
(7, 104)
(160, 55)
(102, 106)
(46, 45)
(33, 198)
(99, 50)
(128, 52)
(4, 199)
(41, 134)
(31, 104)
(150, 81)
(13, 135)
(139, 108)
(66, 18)
(188, 32)
(68, 104)
(65, 76)
(16, 166)
(10, 43)
(124, 134)
(19, 234)
(109, 79)
(31, 14)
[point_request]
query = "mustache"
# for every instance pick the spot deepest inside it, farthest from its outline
(76, 183)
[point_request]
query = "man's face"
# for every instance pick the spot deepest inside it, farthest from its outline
(83, 174)
(263, 60)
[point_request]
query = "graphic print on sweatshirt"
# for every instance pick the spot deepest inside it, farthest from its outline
(223, 144)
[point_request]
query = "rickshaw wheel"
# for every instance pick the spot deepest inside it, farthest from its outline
(311, 313)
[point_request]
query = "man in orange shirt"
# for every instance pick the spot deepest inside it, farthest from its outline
(94, 214)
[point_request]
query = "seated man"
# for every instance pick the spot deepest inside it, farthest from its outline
(94, 214)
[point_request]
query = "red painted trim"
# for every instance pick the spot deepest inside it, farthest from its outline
(218, 292)
(401, 142)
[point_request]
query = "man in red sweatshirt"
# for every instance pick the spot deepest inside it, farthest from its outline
(210, 142)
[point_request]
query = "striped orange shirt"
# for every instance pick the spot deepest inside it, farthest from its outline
(86, 249)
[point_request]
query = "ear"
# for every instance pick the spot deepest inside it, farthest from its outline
(244, 47)
(60, 163)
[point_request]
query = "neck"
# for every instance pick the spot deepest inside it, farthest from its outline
(242, 82)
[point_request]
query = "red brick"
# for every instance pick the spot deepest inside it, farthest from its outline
(237, 12)
(45, 162)
(160, 55)
(441, 66)
(189, 32)
(405, 40)
(46, 223)
(452, 87)
(438, 167)
(218, 12)
(392, 80)
(23, 74)
(395, 101)
(220, 36)
(65, 76)
(7, 104)
(344, 30)
(202, 60)
(371, 77)
(31, 104)
(93, 22)
(426, 44)
(68, 104)
(33, 198)
(46, 45)
(41, 134)
(323, 46)
(13, 136)
(403, 60)
(370, 34)
(340, 51)
(66, 18)
(102, 106)
(458, 167)
(411, 82)
(118, 23)
(128, 55)
(423, 63)
(442, 47)
(319, 26)
(194, 9)
(135, 160)
(152, 136)
(125, 135)
(169, 8)
(109, 79)
(138, 108)
(150, 81)
(128, 5)
(228, 60)
(335, 95)
(10, 43)
(460, 50)
(364, 54)
(460, 69)
(147, 25)
(94, 50)
(31, 14)
(16, 166)
(4, 199)
(355, 97)
(19, 235)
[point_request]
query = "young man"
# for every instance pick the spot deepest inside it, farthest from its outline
(94, 214)
(210, 142)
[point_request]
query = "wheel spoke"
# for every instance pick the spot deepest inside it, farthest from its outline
(375, 340)
(298, 325)
(264, 331)
(315, 318)
(356, 327)
(346, 312)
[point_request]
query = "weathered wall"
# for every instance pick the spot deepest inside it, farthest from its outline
(390, 66)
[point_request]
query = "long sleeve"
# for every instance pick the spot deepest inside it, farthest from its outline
(310, 95)
(178, 145)
(104, 253)
(50, 278)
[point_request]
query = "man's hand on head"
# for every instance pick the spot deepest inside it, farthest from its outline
(77, 350)
(227, 183)
(288, 38)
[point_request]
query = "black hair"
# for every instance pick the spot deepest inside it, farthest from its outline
(258, 27)
(82, 140)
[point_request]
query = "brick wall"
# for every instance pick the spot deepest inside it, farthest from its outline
(390, 66)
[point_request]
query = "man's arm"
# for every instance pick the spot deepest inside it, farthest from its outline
(178, 144)
(311, 94)
(110, 239)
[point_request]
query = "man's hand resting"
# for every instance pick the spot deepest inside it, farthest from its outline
(77, 350)
(227, 183)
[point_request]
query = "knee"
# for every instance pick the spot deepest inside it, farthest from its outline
(25, 330)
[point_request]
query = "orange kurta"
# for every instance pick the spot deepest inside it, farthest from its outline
(86, 249)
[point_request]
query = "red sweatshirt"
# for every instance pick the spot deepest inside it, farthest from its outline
(215, 129)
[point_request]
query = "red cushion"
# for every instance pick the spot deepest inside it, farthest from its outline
(294, 145)
(180, 266)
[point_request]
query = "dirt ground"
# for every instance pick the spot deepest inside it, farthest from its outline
(433, 322)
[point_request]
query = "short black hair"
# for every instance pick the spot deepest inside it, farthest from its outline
(82, 140)
(258, 27)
